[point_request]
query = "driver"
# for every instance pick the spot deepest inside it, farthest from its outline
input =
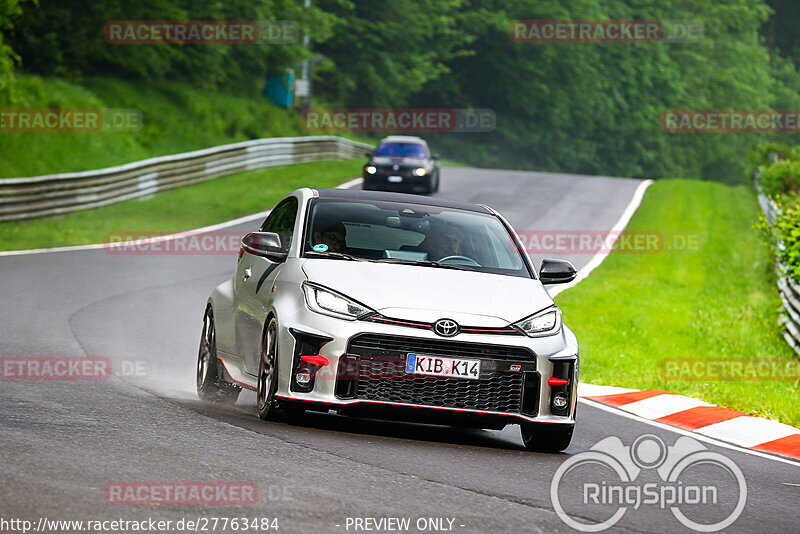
(333, 236)
(443, 241)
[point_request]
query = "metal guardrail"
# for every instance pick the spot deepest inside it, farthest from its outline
(789, 289)
(53, 194)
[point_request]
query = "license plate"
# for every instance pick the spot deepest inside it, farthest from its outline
(420, 364)
(395, 178)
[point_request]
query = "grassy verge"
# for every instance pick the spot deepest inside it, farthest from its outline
(176, 118)
(193, 206)
(720, 301)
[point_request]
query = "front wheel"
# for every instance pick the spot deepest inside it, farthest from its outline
(546, 438)
(268, 372)
(211, 387)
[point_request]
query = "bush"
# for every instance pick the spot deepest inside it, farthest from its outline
(781, 179)
(763, 156)
(787, 232)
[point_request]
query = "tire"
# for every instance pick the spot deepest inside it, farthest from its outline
(268, 373)
(543, 438)
(438, 182)
(211, 387)
(431, 185)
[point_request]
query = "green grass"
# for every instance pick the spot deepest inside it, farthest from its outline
(185, 208)
(719, 301)
(176, 118)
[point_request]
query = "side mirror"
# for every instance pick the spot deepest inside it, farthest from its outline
(435, 156)
(556, 272)
(264, 244)
(368, 155)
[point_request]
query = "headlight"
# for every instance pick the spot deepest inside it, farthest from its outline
(329, 302)
(544, 323)
(420, 172)
(370, 169)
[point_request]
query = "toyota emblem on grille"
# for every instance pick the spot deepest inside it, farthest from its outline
(445, 327)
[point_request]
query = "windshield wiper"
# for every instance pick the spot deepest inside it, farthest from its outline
(423, 263)
(337, 255)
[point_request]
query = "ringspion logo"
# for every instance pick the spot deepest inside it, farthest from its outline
(613, 479)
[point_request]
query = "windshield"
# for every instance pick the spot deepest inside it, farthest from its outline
(411, 233)
(408, 150)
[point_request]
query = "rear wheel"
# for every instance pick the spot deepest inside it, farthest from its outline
(268, 372)
(546, 438)
(211, 387)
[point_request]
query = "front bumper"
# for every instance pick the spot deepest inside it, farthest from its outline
(366, 375)
(380, 182)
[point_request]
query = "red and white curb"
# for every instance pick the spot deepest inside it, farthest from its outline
(723, 424)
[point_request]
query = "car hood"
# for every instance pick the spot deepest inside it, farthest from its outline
(427, 293)
(389, 160)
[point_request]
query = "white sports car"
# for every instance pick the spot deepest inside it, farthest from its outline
(395, 306)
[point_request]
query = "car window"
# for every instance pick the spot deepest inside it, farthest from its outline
(281, 221)
(378, 230)
(414, 150)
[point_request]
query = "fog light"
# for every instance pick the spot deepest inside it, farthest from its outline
(560, 400)
(303, 378)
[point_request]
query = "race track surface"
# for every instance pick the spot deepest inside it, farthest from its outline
(64, 441)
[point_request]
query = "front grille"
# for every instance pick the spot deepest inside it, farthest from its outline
(389, 171)
(376, 371)
(385, 379)
(383, 345)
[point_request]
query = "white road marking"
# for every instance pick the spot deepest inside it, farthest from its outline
(662, 405)
(698, 437)
(351, 183)
(620, 225)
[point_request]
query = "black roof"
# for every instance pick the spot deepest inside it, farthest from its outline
(360, 194)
